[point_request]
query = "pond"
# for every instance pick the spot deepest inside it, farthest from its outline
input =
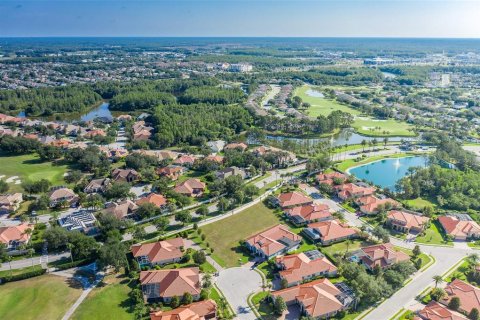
(102, 111)
(344, 137)
(314, 93)
(385, 173)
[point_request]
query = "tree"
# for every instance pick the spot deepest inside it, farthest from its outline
(55, 237)
(204, 294)
(279, 305)
(283, 283)
(381, 233)
(473, 259)
(223, 204)
(437, 294)
(175, 302)
(199, 257)
(3, 186)
(438, 280)
(73, 176)
(187, 298)
(202, 210)
(363, 143)
(161, 223)
(113, 253)
(454, 303)
(474, 314)
(147, 210)
(118, 190)
(416, 251)
(183, 216)
(418, 264)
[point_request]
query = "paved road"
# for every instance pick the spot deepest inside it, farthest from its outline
(237, 284)
(18, 264)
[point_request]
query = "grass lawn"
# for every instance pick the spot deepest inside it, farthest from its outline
(111, 298)
(46, 297)
(424, 257)
(341, 247)
(419, 203)
(224, 235)
(30, 167)
(15, 272)
(433, 235)
(390, 127)
(344, 165)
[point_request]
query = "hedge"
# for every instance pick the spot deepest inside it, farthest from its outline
(23, 276)
(68, 265)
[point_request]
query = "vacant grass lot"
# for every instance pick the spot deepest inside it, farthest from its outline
(224, 235)
(46, 297)
(110, 301)
(30, 167)
(321, 106)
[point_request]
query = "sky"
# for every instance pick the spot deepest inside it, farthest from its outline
(241, 18)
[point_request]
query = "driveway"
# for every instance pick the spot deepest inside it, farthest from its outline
(237, 284)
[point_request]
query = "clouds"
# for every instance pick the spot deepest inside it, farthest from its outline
(240, 18)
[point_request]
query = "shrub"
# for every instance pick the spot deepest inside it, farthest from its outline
(22, 276)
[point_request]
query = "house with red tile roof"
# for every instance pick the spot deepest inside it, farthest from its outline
(403, 221)
(191, 187)
(159, 253)
(383, 255)
(154, 198)
(328, 178)
(121, 210)
(185, 160)
(318, 299)
(10, 202)
(201, 310)
(167, 283)
(308, 213)
(273, 242)
(468, 294)
(14, 236)
(372, 204)
(171, 172)
(328, 232)
(459, 229)
(302, 267)
(351, 190)
(215, 158)
(236, 146)
(435, 311)
(293, 199)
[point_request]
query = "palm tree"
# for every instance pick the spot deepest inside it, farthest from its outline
(438, 279)
(473, 259)
(70, 247)
(348, 242)
(385, 141)
(363, 143)
(30, 253)
(9, 259)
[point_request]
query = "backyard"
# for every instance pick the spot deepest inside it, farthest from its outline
(224, 235)
(45, 297)
(433, 235)
(111, 298)
(29, 167)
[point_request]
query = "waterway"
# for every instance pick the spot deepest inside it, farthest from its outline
(387, 172)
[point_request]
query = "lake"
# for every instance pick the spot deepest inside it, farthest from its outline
(102, 111)
(344, 137)
(385, 173)
(314, 93)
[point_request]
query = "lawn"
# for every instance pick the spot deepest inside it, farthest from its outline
(433, 235)
(419, 203)
(341, 248)
(424, 257)
(321, 106)
(224, 235)
(30, 167)
(46, 297)
(110, 299)
(376, 127)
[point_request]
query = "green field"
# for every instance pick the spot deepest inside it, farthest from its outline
(46, 297)
(108, 301)
(341, 248)
(30, 167)
(321, 106)
(224, 235)
(419, 203)
(433, 235)
(363, 124)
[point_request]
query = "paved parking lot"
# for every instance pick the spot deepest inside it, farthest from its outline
(237, 284)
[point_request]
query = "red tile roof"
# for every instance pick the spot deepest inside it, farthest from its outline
(268, 240)
(194, 311)
(159, 251)
(15, 233)
(459, 228)
(468, 294)
(406, 219)
(295, 198)
(311, 212)
(154, 198)
(332, 230)
(298, 266)
(188, 186)
(435, 311)
(173, 282)
(382, 255)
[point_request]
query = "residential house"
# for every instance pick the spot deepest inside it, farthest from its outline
(154, 198)
(459, 229)
(236, 146)
(14, 236)
(285, 157)
(435, 311)
(468, 294)
(403, 221)
(185, 160)
(10, 202)
(216, 146)
(125, 175)
(215, 158)
(319, 299)
(231, 171)
(171, 172)
(382, 255)
(159, 253)
(93, 133)
(352, 190)
(62, 195)
(83, 221)
(97, 185)
(371, 204)
(273, 242)
(121, 210)
(201, 310)
(167, 283)
(302, 267)
(302, 215)
(293, 199)
(328, 232)
(330, 178)
(191, 187)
